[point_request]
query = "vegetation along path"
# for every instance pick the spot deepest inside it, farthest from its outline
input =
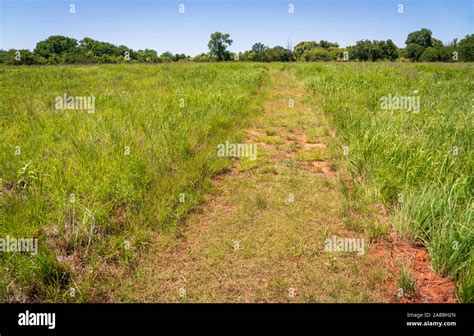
(266, 233)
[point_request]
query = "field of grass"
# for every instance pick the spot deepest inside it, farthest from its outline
(419, 164)
(91, 186)
(94, 188)
(260, 235)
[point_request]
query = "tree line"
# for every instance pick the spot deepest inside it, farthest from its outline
(420, 46)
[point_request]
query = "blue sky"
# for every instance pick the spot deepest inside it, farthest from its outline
(157, 24)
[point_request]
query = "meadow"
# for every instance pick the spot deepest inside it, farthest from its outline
(94, 188)
(91, 186)
(417, 163)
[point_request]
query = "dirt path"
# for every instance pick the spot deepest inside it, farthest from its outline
(261, 236)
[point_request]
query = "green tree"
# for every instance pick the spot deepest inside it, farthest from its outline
(55, 46)
(326, 44)
(179, 57)
(201, 58)
(303, 46)
(277, 54)
(218, 45)
(365, 50)
(420, 37)
(258, 52)
(417, 42)
(166, 57)
(99, 48)
(438, 53)
(249, 56)
(21, 57)
(389, 50)
(336, 53)
(316, 54)
(414, 51)
(147, 55)
(466, 48)
(3, 56)
(258, 47)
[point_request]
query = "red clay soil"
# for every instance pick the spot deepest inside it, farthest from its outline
(431, 287)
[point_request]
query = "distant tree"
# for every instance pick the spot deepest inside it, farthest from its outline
(436, 43)
(168, 54)
(420, 37)
(179, 57)
(466, 48)
(218, 45)
(336, 54)
(327, 45)
(414, 51)
(420, 46)
(249, 55)
(201, 58)
(99, 48)
(322, 54)
(277, 54)
(316, 54)
(438, 53)
(417, 42)
(123, 51)
(147, 55)
(166, 57)
(3, 56)
(79, 56)
(303, 46)
(21, 57)
(257, 52)
(389, 50)
(365, 50)
(107, 58)
(55, 46)
(259, 47)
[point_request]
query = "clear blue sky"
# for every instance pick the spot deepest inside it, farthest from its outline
(157, 24)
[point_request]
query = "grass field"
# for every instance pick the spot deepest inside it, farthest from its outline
(419, 163)
(120, 192)
(96, 188)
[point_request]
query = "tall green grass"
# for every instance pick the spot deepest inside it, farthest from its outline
(119, 199)
(410, 157)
